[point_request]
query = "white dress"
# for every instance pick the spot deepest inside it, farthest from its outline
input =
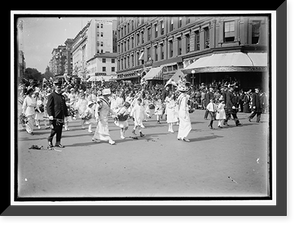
(185, 125)
(221, 111)
(101, 113)
(138, 113)
(170, 110)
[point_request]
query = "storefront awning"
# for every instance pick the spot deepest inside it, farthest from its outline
(154, 74)
(229, 62)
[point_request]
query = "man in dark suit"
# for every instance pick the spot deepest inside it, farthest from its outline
(231, 106)
(256, 106)
(57, 111)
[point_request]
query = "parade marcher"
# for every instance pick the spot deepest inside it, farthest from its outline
(171, 112)
(39, 115)
(57, 111)
(185, 125)
(231, 107)
(28, 109)
(102, 111)
(246, 102)
(256, 106)
(158, 110)
(212, 109)
(81, 106)
(122, 116)
(138, 114)
(208, 96)
(221, 115)
(89, 115)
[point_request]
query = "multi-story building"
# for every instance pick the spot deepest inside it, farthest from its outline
(96, 38)
(103, 64)
(58, 61)
(155, 47)
(69, 60)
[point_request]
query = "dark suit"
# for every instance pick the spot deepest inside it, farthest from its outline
(231, 107)
(56, 107)
(256, 107)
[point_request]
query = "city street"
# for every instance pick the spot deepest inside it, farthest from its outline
(232, 161)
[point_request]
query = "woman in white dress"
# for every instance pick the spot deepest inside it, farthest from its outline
(28, 109)
(102, 111)
(185, 125)
(39, 115)
(81, 107)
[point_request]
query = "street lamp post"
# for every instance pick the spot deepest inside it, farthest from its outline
(193, 77)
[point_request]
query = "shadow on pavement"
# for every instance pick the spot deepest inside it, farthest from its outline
(205, 138)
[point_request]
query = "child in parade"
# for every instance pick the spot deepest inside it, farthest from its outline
(158, 110)
(171, 112)
(221, 116)
(122, 116)
(89, 115)
(212, 109)
(137, 113)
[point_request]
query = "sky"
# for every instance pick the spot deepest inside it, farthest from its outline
(42, 34)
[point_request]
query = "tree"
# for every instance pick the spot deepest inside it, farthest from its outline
(32, 75)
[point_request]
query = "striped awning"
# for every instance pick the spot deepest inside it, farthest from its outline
(229, 62)
(154, 74)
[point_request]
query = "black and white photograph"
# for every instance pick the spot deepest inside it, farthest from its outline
(143, 106)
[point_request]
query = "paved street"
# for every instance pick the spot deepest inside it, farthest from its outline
(231, 161)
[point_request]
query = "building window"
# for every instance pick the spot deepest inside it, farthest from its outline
(101, 43)
(179, 22)
(101, 26)
(187, 40)
(142, 36)
(188, 20)
(255, 31)
(171, 24)
(148, 53)
(171, 48)
(97, 26)
(162, 51)
(132, 60)
(156, 30)
(132, 42)
(179, 45)
(229, 32)
(103, 60)
(113, 60)
(101, 34)
(137, 39)
(206, 37)
(155, 53)
(197, 40)
(113, 69)
(149, 33)
(162, 28)
(103, 69)
(132, 25)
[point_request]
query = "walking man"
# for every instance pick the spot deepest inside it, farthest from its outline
(256, 106)
(57, 111)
